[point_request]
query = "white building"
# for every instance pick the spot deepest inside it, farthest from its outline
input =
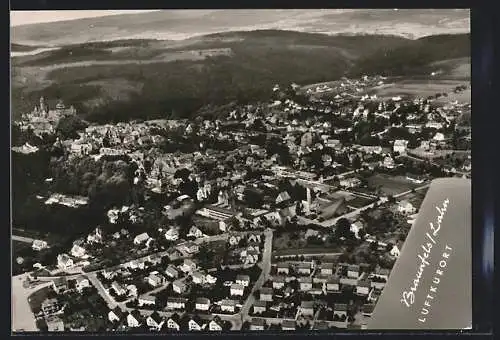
(64, 261)
(39, 245)
(400, 146)
(78, 251)
(237, 290)
(172, 234)
(146, 300)
(395, 251)
(202, 304)
(406, 207)
(363, 287)
(141, 238)
(179, 287)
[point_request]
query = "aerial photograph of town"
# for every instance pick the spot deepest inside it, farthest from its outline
(225, 170)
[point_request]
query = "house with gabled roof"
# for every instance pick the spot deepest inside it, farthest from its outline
(333, 284)
(368, 309)
(60, 285)
(278, 282)
(257, 324)
(179, 286)
(327, 268)
(307, 308)
(283, 268)
(228, 305)
(202, 304)
(259, 306)
(363, 287)
(64, 261)
(305, 283)
(188, 266)
(340, 309)
(243, 280)
(237, 290)
(141, 238)
(173, 322)
(81, 283)
(155, 321)
(146, 300)
(215, 324)
(156, 279)
(172, 272)
(196, 324)
(266, 294)
(134, 319)
(118, 288)
(288, 325)
(353, 271)
(304, 268)
(116, 315)
(198, 277)
(176, 302)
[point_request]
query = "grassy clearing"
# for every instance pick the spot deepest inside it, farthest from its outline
(35, 300)
(359, 202)
(420, 88)
(391, 185)
(301, 251)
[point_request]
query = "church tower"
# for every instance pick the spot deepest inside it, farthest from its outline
(44, 109)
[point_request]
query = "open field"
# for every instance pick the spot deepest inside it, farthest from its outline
(359, 202)
(391, 185)
(461, 97)
(143, 78)
(19, 247)
(419, 88)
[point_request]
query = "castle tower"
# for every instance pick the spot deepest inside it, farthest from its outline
(42, 104)
(309, 200)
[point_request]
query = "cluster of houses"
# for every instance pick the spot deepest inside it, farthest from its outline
(52, 309)
(160, 322)
(314, 281)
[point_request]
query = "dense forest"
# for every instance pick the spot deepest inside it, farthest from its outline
(258, 60)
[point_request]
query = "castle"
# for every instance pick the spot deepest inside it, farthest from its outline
(43, 110)
(44, 120)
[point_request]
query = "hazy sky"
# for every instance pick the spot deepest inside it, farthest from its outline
(31, 17)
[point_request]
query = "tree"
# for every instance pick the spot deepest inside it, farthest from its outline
(374, 246)
(356, 162)
(182, 174)
(68, 127)
(362, 233)
(343, 228)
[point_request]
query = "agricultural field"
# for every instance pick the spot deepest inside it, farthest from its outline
(391, 185)
(420, 88)
(359, 202)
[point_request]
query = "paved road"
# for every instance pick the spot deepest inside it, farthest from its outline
(22, 239)
(142, 258)
(266, 269)
(310, 255)
(102, 291)
(409, 191)
(22, 316)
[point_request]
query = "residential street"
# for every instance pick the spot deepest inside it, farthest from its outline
(266, 268)
(102, 291)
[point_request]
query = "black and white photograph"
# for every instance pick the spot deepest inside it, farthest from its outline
(240, 170)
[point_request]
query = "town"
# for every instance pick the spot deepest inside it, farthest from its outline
(284, 215)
